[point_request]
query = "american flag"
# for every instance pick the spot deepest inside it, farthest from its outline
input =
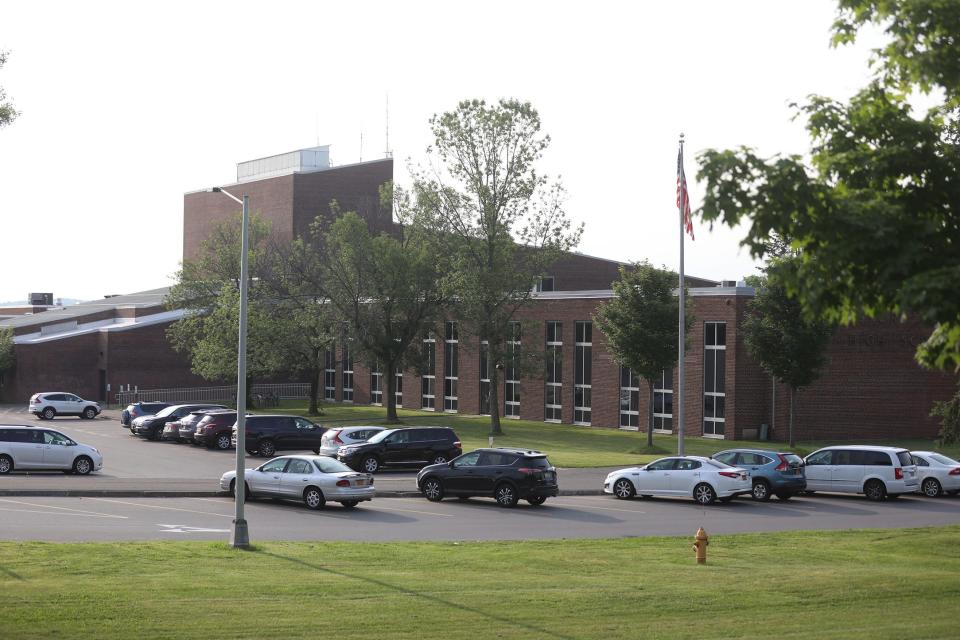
(683, 198)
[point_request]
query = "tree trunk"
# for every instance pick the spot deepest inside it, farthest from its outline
(313, 409)
(650, 417)
(391, 393)
(792, 442)
(495, 429)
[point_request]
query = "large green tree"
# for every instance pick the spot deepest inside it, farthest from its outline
(787, 344)
(388, 287)
(8, 358)
(874, 208)
(7, 112)
(502, 223)
(642, 325)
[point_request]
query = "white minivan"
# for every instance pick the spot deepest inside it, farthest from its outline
(877, 472)
(25, 447)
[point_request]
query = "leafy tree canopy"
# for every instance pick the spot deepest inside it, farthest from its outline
(7, 112)
(873, 211)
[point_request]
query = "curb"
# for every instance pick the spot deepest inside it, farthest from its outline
(151, 493)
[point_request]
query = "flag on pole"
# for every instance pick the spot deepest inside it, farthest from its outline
(683, 199)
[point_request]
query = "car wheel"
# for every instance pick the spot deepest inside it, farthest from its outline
(761, 491)
(875, 490)
(246, 490)
(704, 493)
(89, 413)
(931, 488)
(433, 490)
(6, 464)
(266, 448)
(157, 434)
(505, 495)
(49, 413)
(370, 464)
(222, 442)
(82, 465)
(784, 496)
(624, 489)
(350, 504)
(537, 500)
(313, 498)
(439, 459)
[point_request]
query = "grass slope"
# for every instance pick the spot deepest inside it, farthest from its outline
(849, 584)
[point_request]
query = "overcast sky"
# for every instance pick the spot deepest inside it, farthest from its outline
(126, 106)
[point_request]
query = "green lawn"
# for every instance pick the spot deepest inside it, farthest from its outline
(567, 445)
(852, 584)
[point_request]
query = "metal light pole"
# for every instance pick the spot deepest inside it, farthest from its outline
(240, 537)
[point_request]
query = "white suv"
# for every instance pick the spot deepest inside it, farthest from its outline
(337, 437)
(51, 404)
(26, 447)
(877, 472)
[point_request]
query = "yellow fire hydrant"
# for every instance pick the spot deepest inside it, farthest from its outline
(700, 545)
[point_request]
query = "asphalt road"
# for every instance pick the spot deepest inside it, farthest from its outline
(383, 519)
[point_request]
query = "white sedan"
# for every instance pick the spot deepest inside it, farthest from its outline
(703, 479)
(313, 479)
(938, 473)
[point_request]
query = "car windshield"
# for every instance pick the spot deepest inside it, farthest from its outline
(163, 413)
(792, 459)
(943, 459)
(329, 465)
(381, 436)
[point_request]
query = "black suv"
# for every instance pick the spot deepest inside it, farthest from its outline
(152, 426)
(416, 445)
(506, 475)
(265, 435)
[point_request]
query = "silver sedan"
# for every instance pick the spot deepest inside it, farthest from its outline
(313, 479)
(938, 473)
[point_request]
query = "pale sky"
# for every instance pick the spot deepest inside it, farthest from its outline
(127, 105)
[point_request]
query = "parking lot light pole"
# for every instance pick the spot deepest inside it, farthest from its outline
(240, 537)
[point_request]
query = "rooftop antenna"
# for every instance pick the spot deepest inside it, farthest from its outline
(388, 153)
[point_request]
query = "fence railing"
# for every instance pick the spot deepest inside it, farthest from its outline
(264, 395)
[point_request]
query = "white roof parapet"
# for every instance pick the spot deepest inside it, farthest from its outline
(107, 326)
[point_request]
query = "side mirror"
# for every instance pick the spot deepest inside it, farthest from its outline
(450, 464)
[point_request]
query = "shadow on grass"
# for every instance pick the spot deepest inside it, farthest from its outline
(417, 594)
(650, 451)
(12, 574)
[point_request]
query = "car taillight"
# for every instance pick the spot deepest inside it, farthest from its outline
(528, 471)
(730, 474)
(343, 483)
(783, 466)
(456, 444)
(898, 474)
(954, 472)
(336, 437)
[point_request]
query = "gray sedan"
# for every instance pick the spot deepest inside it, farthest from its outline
(313, 479)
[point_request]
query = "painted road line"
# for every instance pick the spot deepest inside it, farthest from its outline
(60, 513)
(73, 511)
(153, 506)
(182, 528)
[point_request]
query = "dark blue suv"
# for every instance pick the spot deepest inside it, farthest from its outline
(772, 472)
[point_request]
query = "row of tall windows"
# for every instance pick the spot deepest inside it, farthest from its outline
(582, 372)
(553, 374)
(511, 374)
(662, 400)
(450, 364)
(376, 384)
(714, 378)
(347, 361)
(428, 382)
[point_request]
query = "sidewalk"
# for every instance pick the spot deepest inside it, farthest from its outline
(390, 484)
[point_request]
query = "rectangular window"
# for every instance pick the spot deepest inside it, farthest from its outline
(714, 378)
(663, 402)
(330, 373)
(376, 384)
(398, 386)
(450, 364)
(511, 375)
(629, 399)
(583, 373)
(544, 284)
(484, 378)
(347, 359)
(429, 380)
(553, 375)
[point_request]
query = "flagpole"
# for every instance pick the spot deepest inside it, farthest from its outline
(683, 337)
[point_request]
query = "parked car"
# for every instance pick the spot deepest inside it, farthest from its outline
(338, 437)
(313, 479)
(26, 447)
(416, 445)
(215, 429)
(938, 473)
(137, 409)
(506, 475)
(48, 405)
(182, 430)
(875, 471)
(771, 472)
(703, 479)
(265, 435)
(152, 426)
